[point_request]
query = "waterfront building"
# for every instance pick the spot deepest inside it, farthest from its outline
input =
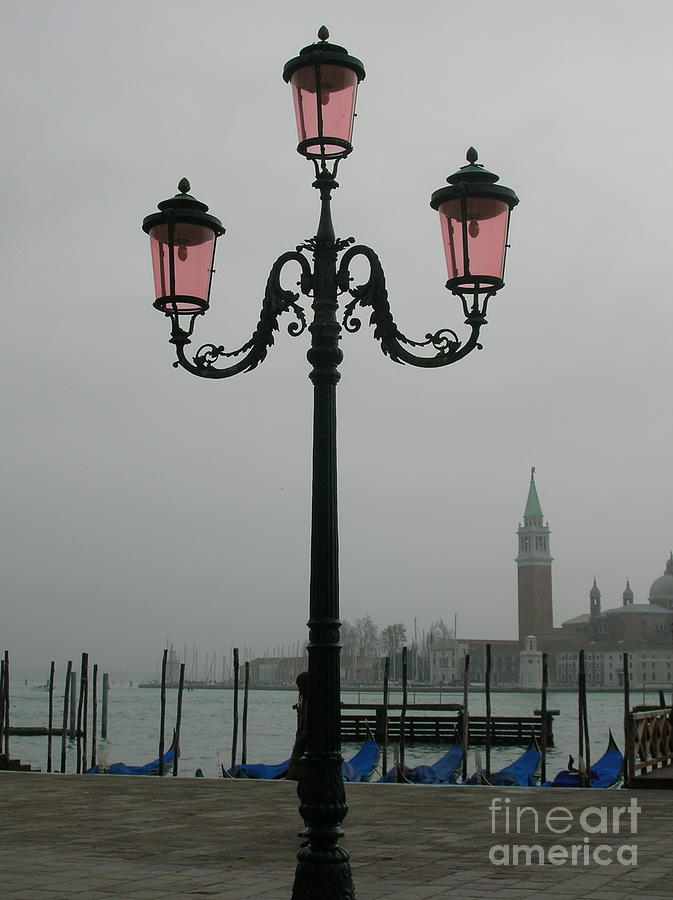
(642, 629)
(530, 665)
(447, 661)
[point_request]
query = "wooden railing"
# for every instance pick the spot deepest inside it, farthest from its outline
(438, 722)
(649, 741)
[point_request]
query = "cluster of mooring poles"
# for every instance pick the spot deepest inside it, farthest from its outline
(75, 722)
(244, 730)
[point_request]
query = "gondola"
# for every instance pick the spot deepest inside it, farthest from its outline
(150, 768)
(358, 768)
(520, 773)
(361, 766)
(606, 772)
(442, 772)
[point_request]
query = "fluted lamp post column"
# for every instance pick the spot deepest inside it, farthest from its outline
(474, 216)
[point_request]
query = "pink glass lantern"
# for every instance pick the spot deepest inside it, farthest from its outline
(324, 81)
(182, 241)
(474, 217)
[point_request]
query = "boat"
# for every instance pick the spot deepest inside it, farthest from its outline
(258, 770)
(442, 772)
(361, 766)
(520, 773)
(150, 768)
(606, 772)
(358, 768)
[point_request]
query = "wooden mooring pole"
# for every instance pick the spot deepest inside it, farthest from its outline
(488, 707)
(78, 724)
(581, 702)
(66, 699)
(50, 725)
(466, 713)
(386, 681)
(2, 705)
(628, 730)
(73, 705)
(6, 699)
(544, 717)
(94, 714)
(244, 738)
(85, 711)
(106, 691)
(3, 688)
(162, 723)
(403, 711)
(178, 718)
(234, 737)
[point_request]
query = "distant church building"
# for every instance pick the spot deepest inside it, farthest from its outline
(642, 629)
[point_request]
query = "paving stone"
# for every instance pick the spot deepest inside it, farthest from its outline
(93, 838)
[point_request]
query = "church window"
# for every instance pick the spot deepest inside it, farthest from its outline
(525, 543)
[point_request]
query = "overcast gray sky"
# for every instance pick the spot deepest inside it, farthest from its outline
(139, 502)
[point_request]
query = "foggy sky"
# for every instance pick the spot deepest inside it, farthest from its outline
(140, 503)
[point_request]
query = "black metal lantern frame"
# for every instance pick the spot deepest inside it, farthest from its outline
(180, 212)
(324, 270)
(474, 182)
(316, 56)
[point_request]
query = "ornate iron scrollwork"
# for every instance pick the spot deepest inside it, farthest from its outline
(394, 344)
(277, 300)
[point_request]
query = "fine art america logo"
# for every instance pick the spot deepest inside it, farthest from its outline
(618, 823)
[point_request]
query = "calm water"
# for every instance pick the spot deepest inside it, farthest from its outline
(134, 714)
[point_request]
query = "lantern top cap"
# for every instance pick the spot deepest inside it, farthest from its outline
(325, 53)
(473, 171)
(184, 208)
(475, 181)
(183, 199)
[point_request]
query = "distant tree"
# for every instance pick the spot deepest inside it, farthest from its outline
(349, 639)
(367, 635)
(393, 638)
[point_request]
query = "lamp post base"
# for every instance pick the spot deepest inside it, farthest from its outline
(323, 874)
(323, 867)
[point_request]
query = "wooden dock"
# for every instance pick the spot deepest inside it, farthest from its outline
(41, 731)
(437, 723)
(7, 764)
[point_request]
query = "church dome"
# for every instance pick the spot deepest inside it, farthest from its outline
(661, 591)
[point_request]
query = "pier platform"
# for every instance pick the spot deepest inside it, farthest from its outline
(94, 837)
(437, 723)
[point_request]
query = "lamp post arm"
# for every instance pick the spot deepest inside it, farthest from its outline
(394, 344)
(276, 301)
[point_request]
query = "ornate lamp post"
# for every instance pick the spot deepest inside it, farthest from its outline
(474, 216)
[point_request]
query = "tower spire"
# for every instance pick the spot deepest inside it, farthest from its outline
(533, 509)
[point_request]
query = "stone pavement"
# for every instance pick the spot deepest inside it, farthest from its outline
(90, 837)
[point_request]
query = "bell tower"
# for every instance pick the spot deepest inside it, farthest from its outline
(534, 569)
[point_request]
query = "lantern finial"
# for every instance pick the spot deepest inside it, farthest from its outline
(184, 186)
(323, 33)
(471, 156)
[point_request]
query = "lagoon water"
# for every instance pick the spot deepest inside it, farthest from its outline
(207, 723)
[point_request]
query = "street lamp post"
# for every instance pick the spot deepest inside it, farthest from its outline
(474, 216)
